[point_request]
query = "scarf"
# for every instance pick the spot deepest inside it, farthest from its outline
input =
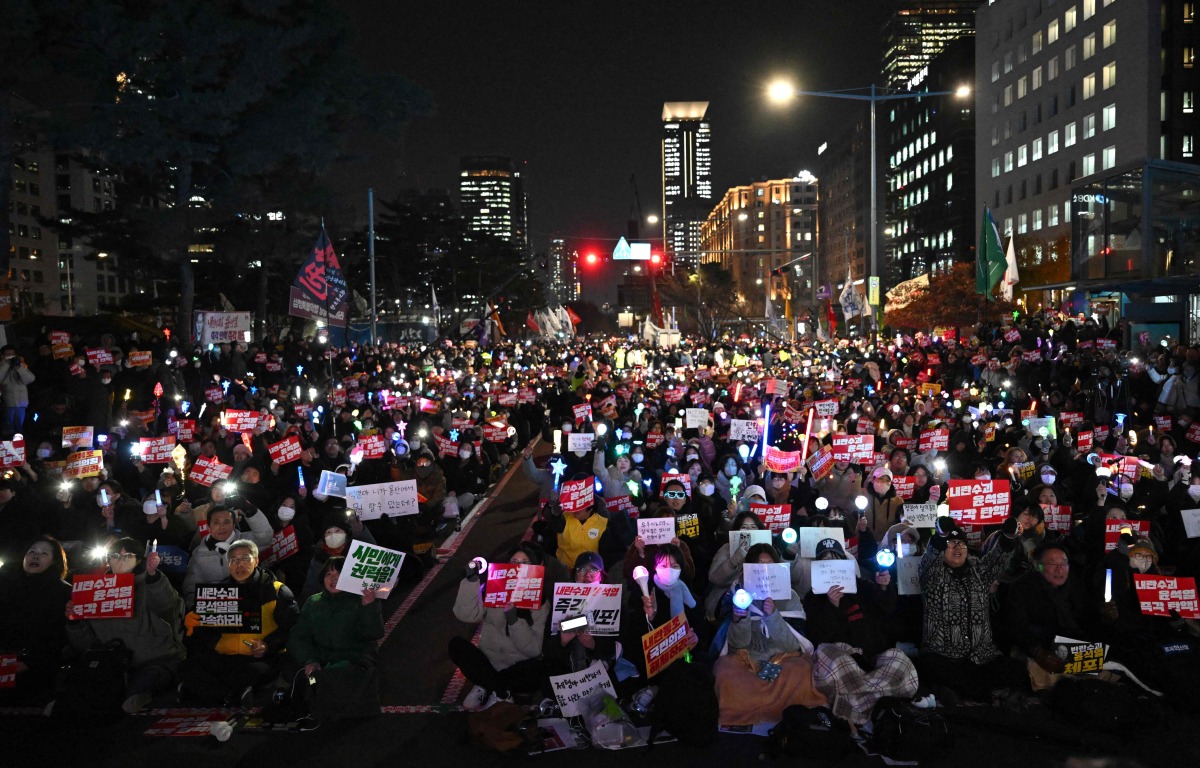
(678, 594)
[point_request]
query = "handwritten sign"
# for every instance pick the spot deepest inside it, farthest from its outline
(1164, 595)
(666, 644)
(826, 408)
(921, 515)
(520, 585)
(600, 603)
(833, 573)
(108, 596)
(744, 429)
(572, 690)
(580, 442)
(979, 502)
(810, 536)
(1191, 522)
(393, 499)
(908, 581)
(695, 418)
(370, 566)
(656, 530)
(763, 580)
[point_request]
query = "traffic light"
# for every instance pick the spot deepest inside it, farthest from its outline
(592, 259)
(656, 259)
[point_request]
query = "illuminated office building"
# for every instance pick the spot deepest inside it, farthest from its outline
(492, 199)
(686, 179)
(919, 30)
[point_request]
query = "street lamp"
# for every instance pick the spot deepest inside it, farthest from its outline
(782, 92)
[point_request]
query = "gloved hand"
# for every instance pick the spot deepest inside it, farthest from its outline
(1048, 661)
(1009, 527)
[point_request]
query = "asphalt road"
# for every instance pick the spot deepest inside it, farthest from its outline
(421, 723)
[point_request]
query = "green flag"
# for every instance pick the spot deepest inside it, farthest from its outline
(989, 257)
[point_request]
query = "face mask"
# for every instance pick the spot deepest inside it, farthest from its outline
(286, 514)
(335, 540)
(908, 549)
(881, 488)
(414, 445)
(464, 454)
(1194, 492)
(1049, 479)
(43, 453)
(1126, 492)
(708, 490)
(1140, 564)
(424, 471)
(691, 457)
(984, 476)
(106, 382)
(667, 576)
(626, 434)
(566, 429)
(637, 458)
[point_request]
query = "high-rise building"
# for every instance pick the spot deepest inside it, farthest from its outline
(765, 234)
(1086, 154)
(686, 179)
(492, 199)
(562, 272)
(917, 31)
(844, 215)
(929, 142)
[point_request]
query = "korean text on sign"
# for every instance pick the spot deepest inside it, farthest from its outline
(600, 603)
(369, 566)
(109, 596)
(520, 585)
(979, 502)
(665, 644)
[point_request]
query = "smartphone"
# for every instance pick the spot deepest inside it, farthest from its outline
(570, 625)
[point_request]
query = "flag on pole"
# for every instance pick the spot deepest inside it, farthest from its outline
(319, 291)
(575, 319)
(989, 257)
(1011, 277)
(530, 324)
(831, 318)
(852, 304)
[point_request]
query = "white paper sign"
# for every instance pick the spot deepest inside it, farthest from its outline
(696, 417)
(600, 603)
(1191, 522)
(580, 442)
(1038, 423)
(810, 536)
(921, 515)
(574, 689)
(394, 499)
(370, 565)
(744, 429)
(748, 539)
(763, 580)
(332, 484)
(907, 582)
(829, 573)
(656, 530)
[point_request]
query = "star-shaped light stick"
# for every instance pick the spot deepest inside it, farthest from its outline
(558, 467)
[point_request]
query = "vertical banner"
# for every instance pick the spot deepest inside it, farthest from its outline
(665, 644)
(319, 291)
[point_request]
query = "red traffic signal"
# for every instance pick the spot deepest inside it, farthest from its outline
(592, 258)
(655, 259)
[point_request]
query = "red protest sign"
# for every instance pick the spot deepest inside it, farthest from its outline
(907, 443)
(1106, 343)
(141, 359)
(582, 411)
(1058, 517)
(77, 437)
(671, 396)
(1100, 433)
(283, 545)
(792, 416)
(934, 440)
(1113, 528)
(979, 502)
(663, 645)
(1012, 336)
(239, 420)
(1083, 441)
(776, 460)
(285, 451)
(1034, 356)
(185, 430)
(207, 471)
(654, 439)
(373, 446)
(99, 357)
(1166, 595)
(12, 452)
(506, 399)
(447, 448)
(820, 464)
(1070, 418)
(526, 395)
(8, 670)
(776, 517)
(520, 585)
(622, 504)
(214, 394)
(857, 449)
(904, 485)
(575, 495)
(157, 450)
(494, 434)
(677, 477)
(84, 464)
(107, 596)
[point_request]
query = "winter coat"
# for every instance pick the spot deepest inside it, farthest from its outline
(209, 564)
(15, 379)
(766, 636)
(503, 643)
(858, 620)
(277, 611)
(336, 629)
(152, 633)
(958, 604)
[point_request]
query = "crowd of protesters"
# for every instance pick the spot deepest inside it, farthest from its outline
(1096, 496)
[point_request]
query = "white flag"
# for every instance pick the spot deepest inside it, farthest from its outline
(1011, 277)
(849, 299)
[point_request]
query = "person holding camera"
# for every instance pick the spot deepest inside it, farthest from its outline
(15, 379)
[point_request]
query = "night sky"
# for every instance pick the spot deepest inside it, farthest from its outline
(574, 93)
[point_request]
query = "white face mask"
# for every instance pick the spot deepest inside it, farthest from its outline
(666, 576)
(43, 453)
(1140, 564)
(286, 514)
(335, 540)
(1194, 492)
(709, 490)
(984, 476)
(637, 458)
(908, 549)
(1126, 492)
(1049, 479)
(464, 454)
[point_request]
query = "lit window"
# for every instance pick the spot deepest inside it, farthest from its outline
(1052, 68)
(995, 71)
(1022, 86)
(1089, 165)
(1069, 59)
(1188, 102)
(1008, 161)
(1189, 145)
(1022, 223)
(1037, 42)
(1037, 219)
(1110, 33)
(1089, 8)
(1109, 121)
(1109, 75)
(1052, 216)
(1022, 155)
(1037, 78)
(1036, 150)
(1089, 46)
(1089, 86)
(1069, 135)
(1089, 126)
(1008, 62)
(1189, 56)
(1008, 95)
(1189, 13)
(1069, 20)
(1052, 142)
(1108, 158)
(1052, 32)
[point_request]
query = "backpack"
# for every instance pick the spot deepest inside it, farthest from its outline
(504, 727)
(1102, 706)
(810, 732)
(901, 731)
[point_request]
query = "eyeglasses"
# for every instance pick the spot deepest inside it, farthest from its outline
(587, 570)
(956, 545)
(1059, 566)
(121, 556)
(241, 560)
(674, 494)
(424, 463)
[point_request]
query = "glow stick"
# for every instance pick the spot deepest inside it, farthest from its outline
(807, 433)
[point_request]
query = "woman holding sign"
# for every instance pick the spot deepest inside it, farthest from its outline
(152, 633)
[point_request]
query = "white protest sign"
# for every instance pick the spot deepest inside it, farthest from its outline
(600, 603)
(763, 580)
(656, 530)
(332, 484)
(369, 566)
(580, 442)
(1191, 522)
(921, 515)
(747, 539)
(573, 689)
(907, 582)
(1038, 423)
(744, 429)
(696, 417)
(810, 536)
(830, 573)
(394, 499)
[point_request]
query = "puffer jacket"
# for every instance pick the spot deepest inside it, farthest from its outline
(504, 644)
(958, 603)
(14, 383)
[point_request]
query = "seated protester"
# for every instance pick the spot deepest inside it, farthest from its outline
(1034, 533)
(643, 554)
(905, 622)
(336, 637)
(668, 597)
(20, 519)
(780, 490)
(508, 659)
(290, 510)
(575, 650)
(1047, 474)
(466, 481)
(855, 664)
(728, 467)
(152, 633)
(431, 483)
(32, 625)
(925, 486)
(884, 506)
(337, 533)
(228, 667)
(694, 530)
(157, 523)
(726, 568)
(1043, 604)
(208, 563)
(615, 478)
(958, 655)
(251, 486)
(801, 571)
(586, 530)
(768, 666)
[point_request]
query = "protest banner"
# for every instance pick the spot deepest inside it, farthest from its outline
(907, 577)
(1165, 595)
(856, 449)
(920, 515)
(777, 387)
(105, 596)
(656, 530)
(447, 448)
(494, 433)
(687, 526)
(1071, 419)
(775, 517)
(373, 446)
(582, 412)
(580, 442)
(830, 573)
(933, 440)
(62, 351)
(98, 357)
(1080, 657)
(810, 536)
(666, 644)
(678, 477)
(332, 484)
(747, 539)
(185, 725)
(239, 420)
(827, 408)
(695, 418)
(218, 327)
(283, 545)
(575, 495)
(1012, 336)
(621, 504)
(393, 499)
(1058, 517)
(979, 502)
(77, 437)
(12, 452)
(141, 359)
(83, 464)
(771, 580)
(572, 690)
(370, 566)
(224, 606)
(744, 429)
(1191, 522)
(8, 670)
(175, 559)
(1039, 423)
(904, 485)
(146, 417)
(286, 450)
(1113, 529)
(928, 389)
(207, 471)
(520, 585)
(600, 603)
(654, 439)
(156, 450)
(820, 464)
(781, 462)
